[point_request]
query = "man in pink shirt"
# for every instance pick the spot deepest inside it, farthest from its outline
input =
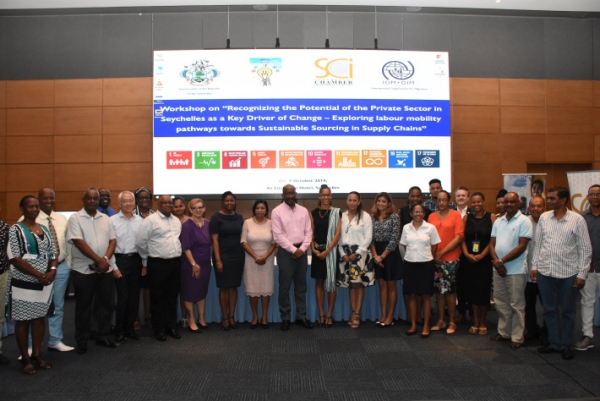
(292, 232)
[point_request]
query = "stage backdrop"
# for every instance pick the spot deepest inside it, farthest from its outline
(251, 121)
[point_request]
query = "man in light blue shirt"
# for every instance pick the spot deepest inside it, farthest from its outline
(129, 267)
(508, 246)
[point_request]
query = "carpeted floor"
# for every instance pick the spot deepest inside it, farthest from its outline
(371, 364)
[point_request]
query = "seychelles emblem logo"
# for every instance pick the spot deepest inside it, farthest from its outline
(398, 70)
(200, 73)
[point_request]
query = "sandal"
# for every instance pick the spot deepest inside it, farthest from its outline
(439, 326)
(40, 363)
(225, 323)
(451, 328)
(355, 325)
(474, 330)
(234, 324)
(321, 322)
(184, 323)
(28, 367)
(482, 331)
(329, 322)
(498, 337)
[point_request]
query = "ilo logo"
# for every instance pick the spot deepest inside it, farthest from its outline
(398, 70)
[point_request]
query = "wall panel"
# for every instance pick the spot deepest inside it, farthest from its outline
(475, 92)
(475, 147)
(2, 94)
(120, 176)
(127, 148)
(77, 177)
(2, 122)
(570, 120)
(29, 122)
(30, 93)
(560, 93)
(476, 119)
(77, 149)
(569, 148)
(78, 121)
(523, 120)
(127, 120)
(522, 92)
(522, 147)
(78, 92)
(127, 92)
(29, 149)
(29, 177)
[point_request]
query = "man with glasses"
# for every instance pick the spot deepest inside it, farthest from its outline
(435, 186)
(561, 262)
(129, 267)
(293, 233)
(592, 284)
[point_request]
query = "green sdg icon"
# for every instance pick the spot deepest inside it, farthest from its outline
(207, 159)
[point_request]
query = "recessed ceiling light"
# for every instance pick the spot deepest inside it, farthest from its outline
(413, 9)
(498, 1)
(260, 7)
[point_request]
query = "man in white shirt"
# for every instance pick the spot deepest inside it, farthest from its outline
(128, 272)
(158, 244)
(93, 243)
(561, 261)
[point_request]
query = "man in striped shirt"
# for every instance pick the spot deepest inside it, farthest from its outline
(560, 266)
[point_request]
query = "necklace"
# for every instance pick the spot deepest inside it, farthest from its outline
(264, 220)
(34, 229)
(324, 214)
(198, 224)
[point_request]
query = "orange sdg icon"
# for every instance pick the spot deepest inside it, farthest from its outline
(263, 159)
(374, 159)
(291, 159)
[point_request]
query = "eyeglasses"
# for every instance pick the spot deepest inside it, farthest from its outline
(593, 195)
(442, 200)
(197, 208)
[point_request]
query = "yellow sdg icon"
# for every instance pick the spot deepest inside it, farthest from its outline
(374, 158)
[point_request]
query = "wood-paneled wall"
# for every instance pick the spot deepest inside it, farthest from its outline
(72, 134)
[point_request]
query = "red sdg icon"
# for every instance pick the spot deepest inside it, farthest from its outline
(179, 159)
(235, 159)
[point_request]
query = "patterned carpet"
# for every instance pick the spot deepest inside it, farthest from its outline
(370, 364)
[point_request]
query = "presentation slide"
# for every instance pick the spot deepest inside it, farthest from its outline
(252, 121)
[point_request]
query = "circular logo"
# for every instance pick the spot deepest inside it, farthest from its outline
(427, 161)
(398, 70)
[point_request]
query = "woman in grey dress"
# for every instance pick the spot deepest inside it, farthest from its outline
(33, 257)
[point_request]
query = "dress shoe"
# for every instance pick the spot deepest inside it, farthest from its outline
(106, 343)
(81, 348)
(120, 338)
(567, 354)
(547, 349)
(304, 323)
(285, 325)
(160, 336)
(60, 347)
(174, 334)
(132, 335)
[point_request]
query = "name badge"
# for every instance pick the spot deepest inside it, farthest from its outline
(475, 248)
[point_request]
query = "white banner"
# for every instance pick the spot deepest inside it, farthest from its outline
(579, 183)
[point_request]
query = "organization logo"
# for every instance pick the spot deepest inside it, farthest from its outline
(374, 159)
(427, 158)
(400, 159)
(199, 73)
(398, 70)
(235, 159)
(179, 160)
(265, 69)
(336, 72)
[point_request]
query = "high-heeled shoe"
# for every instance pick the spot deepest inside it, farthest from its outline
(234, 324)
(329, 322)
(321, 322)
(225, 323)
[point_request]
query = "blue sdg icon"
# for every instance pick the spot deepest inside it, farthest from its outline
(427, 158)
(400, 159)
(398, 70)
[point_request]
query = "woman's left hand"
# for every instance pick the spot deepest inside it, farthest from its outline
(48, 278)
(196, 271)
(378, 260)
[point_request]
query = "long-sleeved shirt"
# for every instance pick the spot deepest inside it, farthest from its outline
(388, 231)
(593, 225)
(356, 233)
(291, 226)
(158, 237)
(562, 247)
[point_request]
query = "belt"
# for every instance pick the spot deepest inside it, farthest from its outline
(127, 255)
(298, 245)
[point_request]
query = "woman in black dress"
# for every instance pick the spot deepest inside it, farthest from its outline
(386, 255)
(228, 256)
(327, 230)
(476, 261)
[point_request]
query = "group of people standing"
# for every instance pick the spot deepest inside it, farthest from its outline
(450, 250)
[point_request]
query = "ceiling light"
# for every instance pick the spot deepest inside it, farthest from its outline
(260, 7)
(413, 9)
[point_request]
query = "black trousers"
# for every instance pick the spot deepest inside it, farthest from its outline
(531, 295)
(164, 281)
(128, 293)
(93, 288)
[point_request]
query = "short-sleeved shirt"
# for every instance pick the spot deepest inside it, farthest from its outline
(96, 231)
(507, 234)
(418, 242)
(593, 225)
(448, 229)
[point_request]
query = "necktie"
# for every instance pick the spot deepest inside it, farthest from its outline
(54, 236)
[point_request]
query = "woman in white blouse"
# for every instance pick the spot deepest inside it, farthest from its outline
(420, 240)
(357, 232)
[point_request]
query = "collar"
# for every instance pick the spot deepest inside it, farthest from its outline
(516, 216)
(98, 215)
